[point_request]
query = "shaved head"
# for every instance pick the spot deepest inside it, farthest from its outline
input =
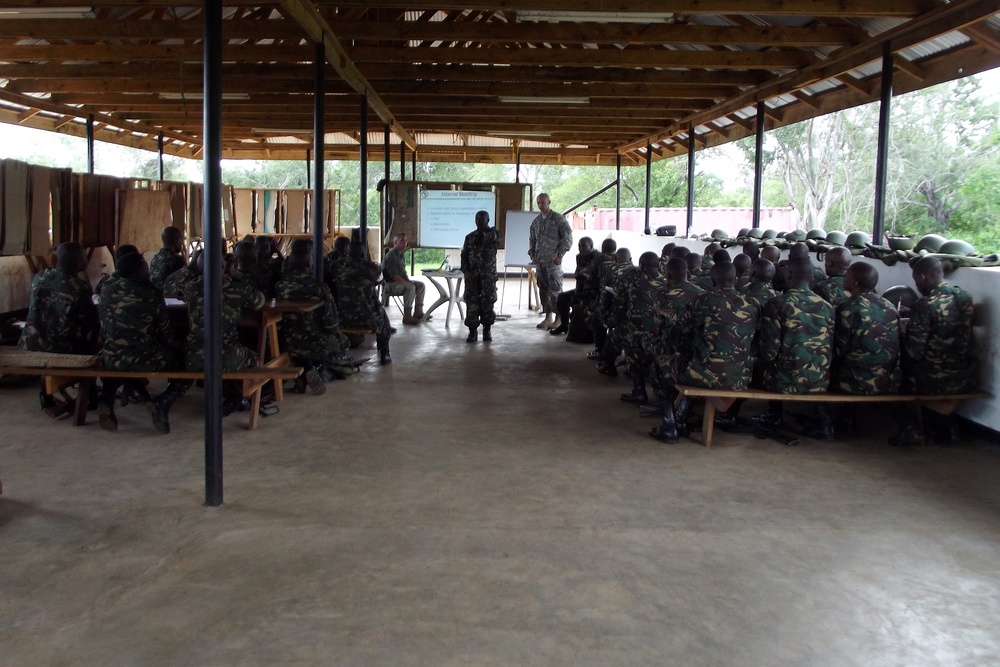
(798, 250)
(837, 261)
(724, 274)
(800, 271)
(762, 270)
(860, 277)
(771, 254)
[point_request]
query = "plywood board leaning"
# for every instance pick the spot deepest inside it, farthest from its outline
(39, 240)
(16, 203)
(143, 215)
(295, 212)
(243, 214)
(403, 198)
(196, 196)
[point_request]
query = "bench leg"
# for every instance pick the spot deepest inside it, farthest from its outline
(272, 337)
(708, 423)
(82, 400)
(255, 409)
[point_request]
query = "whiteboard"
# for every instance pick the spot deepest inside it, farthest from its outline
(447, 216)
(516, 238)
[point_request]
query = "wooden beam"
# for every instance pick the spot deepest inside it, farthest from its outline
(985, 35)
(545, 90)
(131, 28)
(152, 52)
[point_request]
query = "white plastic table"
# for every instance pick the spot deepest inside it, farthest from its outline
(452, 295)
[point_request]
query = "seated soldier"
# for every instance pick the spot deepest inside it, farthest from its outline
(707, 257)
(120, 252)
(62, 316)
(795, 347)
(771, 254)
(743, 265)
(721, 256)
(696, 274)
(598, 277)
(831, 288)
(168, 258)
(639, 322)
(247, 267)
(398, 283)
(752, 249)
(569, 298)
(937, 355)
(269, 262)
(357, 302)
(720, 326)
(312, 339)
(665, 256)
(237, 296)
(334, 262)
(615, 308)
(137, 336)
(177, 282)
(796, 251)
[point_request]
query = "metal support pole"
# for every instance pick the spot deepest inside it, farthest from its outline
(413, 164)
(159, 153)
(649, 179)
(758, 165)
(319, 149)
(517, 166)
(386, 207)
(618, 193)
(214, 248)
(90, 143)
(363, 207)
(309, 175)
(402, 160)
(882, 160)
(690, 192)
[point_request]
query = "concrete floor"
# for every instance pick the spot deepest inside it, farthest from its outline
(487, 505)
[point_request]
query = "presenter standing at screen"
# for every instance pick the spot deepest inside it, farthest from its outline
(549, 239)
(397, 283)
(479, 266)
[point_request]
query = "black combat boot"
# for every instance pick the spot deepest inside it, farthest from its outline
(638, 394)
(160, 406)
(487, 333)
(473, 335)
(106, 406)
(667, 430)
(383, 353)
(822, 429)
(314, 379)
(681, 416)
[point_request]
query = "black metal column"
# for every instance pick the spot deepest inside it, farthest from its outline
(882, 160)
(363, 206)
(386, 206)
(618, 192)
(159, 153)
(517, 166)
(690, 192)
(309, 175)
(402, 160)
(214, 249)
(319, 149)
(413, 164)
(649, 178)
(90, 143)
(758, 165)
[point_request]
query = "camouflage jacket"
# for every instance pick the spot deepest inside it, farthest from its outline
(866, 346)
(550, 236)
(758, 293)
(62, 316)
(177, 282)
(621, 280)
(356, 301)
(832, 290)
(309, 335)
(781, 276)
(720, 324)
(644, 290)
(237, 296)
(670, 312)
(937, 350)
(479, 254)
(135, 327)
(163, 264)
(795, 342)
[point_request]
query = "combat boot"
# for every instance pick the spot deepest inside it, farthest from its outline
(681, 416)
(822, 429)
(546, 323)
(315, 381)
(487, 333)
(408, 317)
(909, 436)
(106, 415)
(638, 394)
(160, 406)
(473, 335)
(667, 430)
(383, 353)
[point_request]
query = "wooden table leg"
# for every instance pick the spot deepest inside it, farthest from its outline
(272, 334)
(82, 399)
(255, 407)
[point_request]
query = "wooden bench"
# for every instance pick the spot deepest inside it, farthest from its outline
(252, 380)
(720, 400)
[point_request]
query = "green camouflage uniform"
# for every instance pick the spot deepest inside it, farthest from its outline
(598, 277)
(163, 264)
(237, 296)
(333, 264)
(720, 324)
(832, 290)
(62, 316)
(176, 283)
(758, 293)
(937, 349)
(266, 275)
(640, 318)
(667, 344)
(795, 342)
(479, 264)
(313, 338)
(357, 305)
(781, 276)
(621, 280)
(136, 328)
(702, 279)
(866, 346)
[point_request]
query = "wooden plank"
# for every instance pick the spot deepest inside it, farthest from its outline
(40, 212)
(142, 216)
(16, 207)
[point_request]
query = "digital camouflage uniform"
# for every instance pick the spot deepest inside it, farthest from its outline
(163, 264)
(720, 324)
(62, 316)
(549, 236)
(176, 283)
(795, 342)
(313, 338)
(237, 296)
(479, 264)
(136, 328)
(668, 345)
(866, 346)
(937, 349)
(357, 305)
(832, 290)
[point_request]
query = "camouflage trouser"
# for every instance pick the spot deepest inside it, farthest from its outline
(550, 281)
(480, 301)
(234, 357)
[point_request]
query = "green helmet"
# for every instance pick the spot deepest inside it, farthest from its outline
(957, 247)
(796, 235)
(770, 234)
(930, 243)
(900, 242)
(836, 237)
(720, 234)
(744, 231)
(756, 233)
(901, 295)
(816, 234)
(858, 240)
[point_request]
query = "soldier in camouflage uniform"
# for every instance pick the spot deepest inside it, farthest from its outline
(707, 260)
(795, 347)
(312, 339)
(357, 303)
(168, 258)
(796, 251)
(696, 272)
(639, 323)
(720, 323)
(620, 280)
(571, 298)
(831, 288)
(269, 262)
(549, 238)
(120, 251)
(333, 262)
(479, 266)
(743, 265)
(177, 282)
(866, 338)
(937, 354)
(598, 277)
(247, 266)
(137, 337)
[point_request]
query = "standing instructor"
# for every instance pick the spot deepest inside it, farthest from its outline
(479, 265)
(550, 238)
